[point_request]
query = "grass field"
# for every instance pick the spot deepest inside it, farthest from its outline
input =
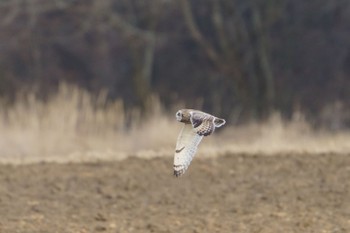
(74, 125)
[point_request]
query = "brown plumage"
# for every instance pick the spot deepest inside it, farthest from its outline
(196, 125)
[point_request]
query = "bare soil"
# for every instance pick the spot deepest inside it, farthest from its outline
(232, 193)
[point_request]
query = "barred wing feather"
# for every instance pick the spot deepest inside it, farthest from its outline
(186, 147)
(203, 124)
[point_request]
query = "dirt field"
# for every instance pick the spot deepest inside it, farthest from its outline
(233, 193)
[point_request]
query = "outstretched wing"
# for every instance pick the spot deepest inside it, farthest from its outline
(186, 147)
(202, 124)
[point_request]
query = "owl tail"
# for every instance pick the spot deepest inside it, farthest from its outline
(218, 122)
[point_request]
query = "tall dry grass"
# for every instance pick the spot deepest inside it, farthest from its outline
(74, 125)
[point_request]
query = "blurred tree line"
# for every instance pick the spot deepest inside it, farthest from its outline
(240, 59)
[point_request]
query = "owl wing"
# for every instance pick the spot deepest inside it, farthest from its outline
(202, 124)
(186, 147)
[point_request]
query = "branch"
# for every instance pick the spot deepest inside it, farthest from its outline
(262, 55)
(218, 23)
(196, 34)
(149, 59)
(14, 10)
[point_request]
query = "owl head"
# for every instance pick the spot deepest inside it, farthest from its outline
(179, 115)
(183, 115)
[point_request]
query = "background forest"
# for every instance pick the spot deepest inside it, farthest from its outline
(239, 59)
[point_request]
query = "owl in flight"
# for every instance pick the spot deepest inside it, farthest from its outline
(197, 124)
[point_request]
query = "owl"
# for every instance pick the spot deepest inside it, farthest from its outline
(197, 124)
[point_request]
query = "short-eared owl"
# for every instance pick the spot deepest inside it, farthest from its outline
(196, 125)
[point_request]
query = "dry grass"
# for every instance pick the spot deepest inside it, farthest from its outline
(74, 126)
(279, 136)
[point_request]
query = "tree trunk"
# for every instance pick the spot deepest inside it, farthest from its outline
(265, 91)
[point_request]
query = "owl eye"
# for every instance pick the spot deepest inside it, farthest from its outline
(179, 115)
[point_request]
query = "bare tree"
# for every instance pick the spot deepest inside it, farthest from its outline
(140, 40)
(254, 89)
